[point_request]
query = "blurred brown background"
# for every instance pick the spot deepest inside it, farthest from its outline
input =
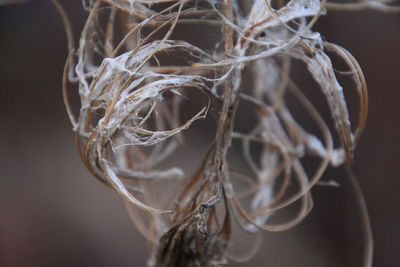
(52, 213)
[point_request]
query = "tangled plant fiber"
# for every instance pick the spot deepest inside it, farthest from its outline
(131, 116)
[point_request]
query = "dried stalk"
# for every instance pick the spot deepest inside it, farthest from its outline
(131, 107)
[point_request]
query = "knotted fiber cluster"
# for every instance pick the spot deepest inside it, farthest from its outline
(131, 118)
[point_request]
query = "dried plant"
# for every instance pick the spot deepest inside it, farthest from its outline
(132, 116)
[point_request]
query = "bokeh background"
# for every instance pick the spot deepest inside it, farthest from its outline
(52, 213)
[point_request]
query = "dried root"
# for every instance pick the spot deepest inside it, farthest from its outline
(130, 119)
